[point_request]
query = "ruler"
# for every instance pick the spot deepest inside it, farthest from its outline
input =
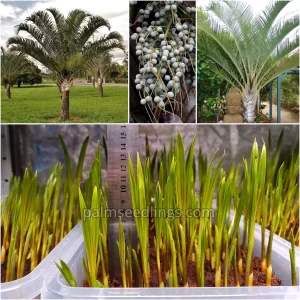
(122, 141)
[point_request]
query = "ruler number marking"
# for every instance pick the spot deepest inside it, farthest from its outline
(123, 165)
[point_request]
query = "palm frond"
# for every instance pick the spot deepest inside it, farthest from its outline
(112, 41)
(274, 61)
(223, 39)
(57, 16)
(221, 58)
(236, 15)
(93, 24)
(61, 44)
(41, 19)
(36, 33)
(281, 32)
(285, 65)
(75, 20)
(13, 64)
(33, 49)
(278, 38)
(223, 73)
(270, 14)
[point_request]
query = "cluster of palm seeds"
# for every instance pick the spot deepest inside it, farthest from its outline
(165, 35)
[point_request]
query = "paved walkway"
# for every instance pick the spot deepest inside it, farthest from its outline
(287, 116)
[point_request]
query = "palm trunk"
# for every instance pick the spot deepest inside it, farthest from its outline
(64, 113)
(93, 82)
(64, 86)
(100, 87)
(249, 103)
(8, 93)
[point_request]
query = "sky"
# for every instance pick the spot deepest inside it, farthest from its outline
(259, 5)
(115, 11)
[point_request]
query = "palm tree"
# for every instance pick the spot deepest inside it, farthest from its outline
(12, 66)
(249, 51)
(98, 67)
(62, 44)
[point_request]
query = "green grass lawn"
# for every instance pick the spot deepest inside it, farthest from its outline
(41, 104)
(50, 81)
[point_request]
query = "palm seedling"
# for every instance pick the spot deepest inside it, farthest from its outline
(140, 203)
(289, 204)
(208, 181)
(223, 203)
(67, 273)
(158, 206)
(226, 230)
(275, 195)
(254, 184)
(272, 168)
(180, 191)
(94, 226)
(262, 212)
(6, 213)
(293, 260)
(23, 215)
(276, 200)
(90, 229)
(230, 232)
(125, 254)
(162, 232)
(289, 207)
(183, 239)
(238, 208)
(71, 184)
(32, 221)
(282, 197)
(160, 162)
(175, 258)
(122, 253)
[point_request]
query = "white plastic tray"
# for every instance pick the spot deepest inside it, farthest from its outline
(55, 287)
(29, 286)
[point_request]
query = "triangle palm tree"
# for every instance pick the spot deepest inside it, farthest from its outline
(12, 66)
(98, 66)
(62, 44)
(248, 50)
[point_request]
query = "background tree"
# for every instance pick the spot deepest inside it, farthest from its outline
(62, 44)
(33, 75)
(12, 66)
(114, 71)
(249, 51)
(98, 66)
(209, 84)
(124, 67)
(289, 92)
